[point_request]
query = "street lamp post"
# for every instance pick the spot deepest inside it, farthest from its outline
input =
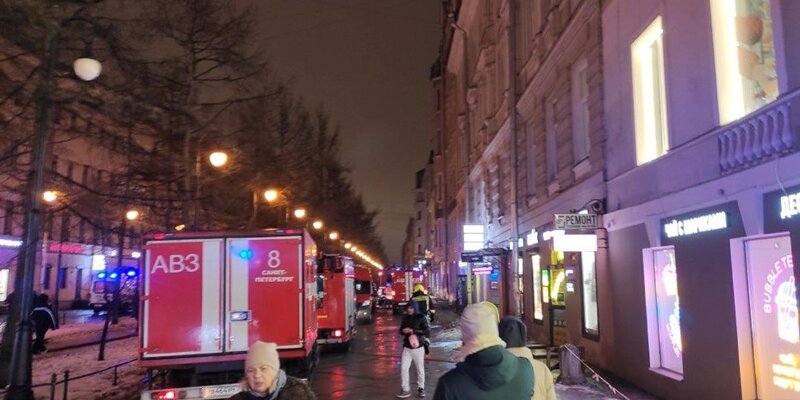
(19, 380)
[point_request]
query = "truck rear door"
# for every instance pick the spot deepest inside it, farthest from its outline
(265, 292)
(182, 298)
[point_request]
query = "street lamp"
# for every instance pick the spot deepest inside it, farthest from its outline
(300, 213)
(333, 235)
(87, 68)
(271, 195)
(50, 196)
(218, 159)
(348, 245)
(132, 215)
(19, 382)
(317, 224)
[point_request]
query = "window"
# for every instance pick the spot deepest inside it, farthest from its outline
(419, 232)
(48, 269)
(591, 323)
(65, 228)
(538, 314)
(530, 160)
(550, 138)
(649, 94)
(8, 220)
(663, 312)
(744, 54)
(580, 111)
(419, 249)
(439, 188)
(61, 278)
(419, 215)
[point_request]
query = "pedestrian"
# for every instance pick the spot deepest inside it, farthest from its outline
(415, 330)
(486, 370)
(264, 378)
(43, 321)
(514, 332)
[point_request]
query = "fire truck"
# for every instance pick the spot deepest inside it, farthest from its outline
(336, 314)
(365, 301)
(206, 296)
(403, 282)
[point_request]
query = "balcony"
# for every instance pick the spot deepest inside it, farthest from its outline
(759, 137)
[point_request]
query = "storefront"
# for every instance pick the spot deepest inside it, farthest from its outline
(561, 270)
(765, 293)
(68, 268)
(9, 253)
(481, 276)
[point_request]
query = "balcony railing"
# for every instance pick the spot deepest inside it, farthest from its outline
(759, 137)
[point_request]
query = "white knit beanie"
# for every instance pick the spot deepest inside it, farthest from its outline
(478, 330)
(261, 353)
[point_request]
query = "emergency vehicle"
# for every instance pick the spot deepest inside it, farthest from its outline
(365, 301)
(106, 282)
(206, 296)
(403, 282)
(336, 313)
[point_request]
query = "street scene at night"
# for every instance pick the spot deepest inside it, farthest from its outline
(392, 199)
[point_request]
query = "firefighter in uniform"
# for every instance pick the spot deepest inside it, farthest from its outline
(424, 304)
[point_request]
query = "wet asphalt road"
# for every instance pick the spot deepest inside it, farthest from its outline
(371, 369)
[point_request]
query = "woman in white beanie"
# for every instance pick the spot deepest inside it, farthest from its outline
(264, 378)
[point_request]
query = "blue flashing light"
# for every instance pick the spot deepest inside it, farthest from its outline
(113, 275)
(246, 254)
(131, 273)
(101, 275)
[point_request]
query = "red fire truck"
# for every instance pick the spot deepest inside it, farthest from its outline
(365, 301)
(336, 314)
(403, 282)
(207, 296)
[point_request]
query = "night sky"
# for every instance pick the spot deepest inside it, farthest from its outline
(368, 62)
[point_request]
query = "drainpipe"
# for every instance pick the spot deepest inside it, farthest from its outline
(467, 125)
(514, 306)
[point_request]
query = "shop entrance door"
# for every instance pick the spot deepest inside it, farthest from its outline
(773, 317)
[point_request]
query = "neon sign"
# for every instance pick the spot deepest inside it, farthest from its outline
(695, 225)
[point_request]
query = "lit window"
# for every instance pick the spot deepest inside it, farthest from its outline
(591, 324)
(744, 54)
(663, 311)
(580, 111)
(649, 95)
(537, 287)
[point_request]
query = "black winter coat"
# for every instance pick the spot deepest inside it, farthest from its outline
(417, 322)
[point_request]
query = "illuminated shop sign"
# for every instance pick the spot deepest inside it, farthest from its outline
(482, 270)
(532, 238)
(473, 237)
(790, 205)
(10, 243)
(694, 225)
(575, 243)
(547, 235)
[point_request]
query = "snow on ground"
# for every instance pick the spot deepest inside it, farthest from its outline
(83, 360)
(90, 328)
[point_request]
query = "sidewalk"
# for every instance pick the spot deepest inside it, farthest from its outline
(71, 336)
(450, 335)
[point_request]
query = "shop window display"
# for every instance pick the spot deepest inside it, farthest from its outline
(744, 54)
(663, 309)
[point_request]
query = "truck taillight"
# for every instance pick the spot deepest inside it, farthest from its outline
(337, 333)
(168, 394)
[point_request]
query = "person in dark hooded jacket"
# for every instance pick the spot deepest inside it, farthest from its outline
(415, 329)
(486, 371)
(514, 332)
(43, 321)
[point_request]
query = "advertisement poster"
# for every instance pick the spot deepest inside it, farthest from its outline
(773, 310)
(668, 310)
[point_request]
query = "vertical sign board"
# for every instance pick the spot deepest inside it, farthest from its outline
(265, 283)
(182, 297)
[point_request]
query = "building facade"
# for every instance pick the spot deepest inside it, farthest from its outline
(668, 123)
